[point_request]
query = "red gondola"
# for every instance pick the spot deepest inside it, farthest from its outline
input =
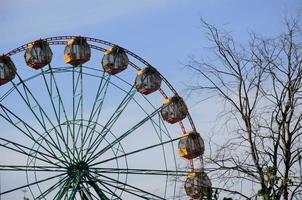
(7, 69)
(174, 110)
(147, 80)
(198, 186)
(115, 60)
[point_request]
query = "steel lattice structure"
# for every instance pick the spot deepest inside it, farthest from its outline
(60, 134)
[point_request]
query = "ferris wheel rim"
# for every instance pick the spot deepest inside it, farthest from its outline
(61, 40)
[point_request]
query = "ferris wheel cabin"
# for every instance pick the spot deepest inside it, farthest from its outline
(115, 60)
(191, 145)
(38, 54)
(174, 110)
(198, 185)
(7, 69)
(77, 51)
(147, 80)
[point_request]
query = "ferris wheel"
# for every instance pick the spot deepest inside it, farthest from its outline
(72, 128)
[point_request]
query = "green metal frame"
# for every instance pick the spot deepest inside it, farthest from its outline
(66, 141)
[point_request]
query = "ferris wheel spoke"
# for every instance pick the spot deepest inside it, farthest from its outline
(125, 190)
(31, 184)
(85, 193)
(145, 193)
(93, 183)
(31, 168)
(63, 190)
(27, 130)
(74, 186)
(91, 196)
(157, 126)
(97, 107)
(21, 149)
(40, 119)
(114, 117)
(151, 172)
(113, 193)
(108, 191)
(164, 128)
(58, 107)
(160, 121)
(77, 106)
(124, 135)
(136, 151)
(6, 94)
(51, 189)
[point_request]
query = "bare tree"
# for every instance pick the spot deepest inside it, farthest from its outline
(260, 85)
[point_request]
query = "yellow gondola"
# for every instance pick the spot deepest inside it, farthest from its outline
(191, 145)
(38, 54)
(77, 51)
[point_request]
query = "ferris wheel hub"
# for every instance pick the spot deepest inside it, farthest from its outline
(80, 167)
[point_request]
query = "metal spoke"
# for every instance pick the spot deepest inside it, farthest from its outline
(110, 191)
(61, 103)
(114, 117)
(75, 182)
(40, 119)
(100, 193)
(21, 149)
(124, 135)
(50, 189)
(140, 171)
(27, 130)
(130, 186)
(53, 92)
(94, 196)
(125, 190)
(155, 124)
(172, 146)
(85, 193)
(77, 106)
(30, 184)
(96, 108)
(31, 168)
(136, 151)
(63, 190)
(82, 115)
(77, 122)
(7, 94)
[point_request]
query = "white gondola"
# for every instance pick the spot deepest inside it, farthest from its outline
(7, 69)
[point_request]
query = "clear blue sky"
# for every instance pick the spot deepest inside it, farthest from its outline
(164, 32)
